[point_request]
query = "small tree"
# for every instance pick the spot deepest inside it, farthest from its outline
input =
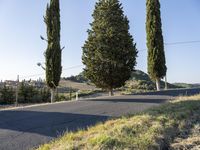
(26, 92)
(44, 95)
(7, 95)
(53, 52)
(156, 55)
(109, 53)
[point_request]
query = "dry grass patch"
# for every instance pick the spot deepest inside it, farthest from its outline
(153, 129)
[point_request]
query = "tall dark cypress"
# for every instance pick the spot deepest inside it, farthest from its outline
(156, 55)
(53, 52)
(109, 53)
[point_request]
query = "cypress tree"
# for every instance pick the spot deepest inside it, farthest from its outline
(109, 53)
(156, 55)
(53, 52)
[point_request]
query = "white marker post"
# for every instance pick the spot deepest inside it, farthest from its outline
(166, 83)
(77, 95)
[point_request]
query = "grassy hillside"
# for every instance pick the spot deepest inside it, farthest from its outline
(77, 85)
(173, 125)
(78, 78)
(139, 81)
(67, 90)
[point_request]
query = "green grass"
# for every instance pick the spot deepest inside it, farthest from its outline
(153, 129)
(81, 94)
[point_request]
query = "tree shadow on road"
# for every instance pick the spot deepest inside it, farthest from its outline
(155, 100)
(174, 92)
(51, 124)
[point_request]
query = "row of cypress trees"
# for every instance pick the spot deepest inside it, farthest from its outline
(109, 53)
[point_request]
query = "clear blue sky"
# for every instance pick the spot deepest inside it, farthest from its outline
(21, 24)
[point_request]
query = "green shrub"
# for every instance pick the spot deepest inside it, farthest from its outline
(31, 94)
(140, 85)
(7, 95)
(59, 98)
(26, 93)
(45, 95)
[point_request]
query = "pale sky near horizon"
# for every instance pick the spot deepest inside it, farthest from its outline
(21, 24)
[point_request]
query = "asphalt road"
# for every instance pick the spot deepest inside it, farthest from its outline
(25, 128)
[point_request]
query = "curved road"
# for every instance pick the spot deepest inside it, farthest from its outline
(25, 128)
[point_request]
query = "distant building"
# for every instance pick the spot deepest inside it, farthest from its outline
(10, 83)
(35, 83)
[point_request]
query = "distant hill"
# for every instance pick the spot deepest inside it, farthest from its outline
(186, 85)
(80, 78)
(76, 85)
(140, 75)
(139, 80)
(77, 82)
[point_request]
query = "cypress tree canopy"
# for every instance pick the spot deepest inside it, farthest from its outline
(109, 53)
(53, 52)
(156, 55)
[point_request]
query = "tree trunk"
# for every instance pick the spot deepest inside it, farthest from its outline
(166, 87)
(52, 95)
(158, 84)
(111, 92)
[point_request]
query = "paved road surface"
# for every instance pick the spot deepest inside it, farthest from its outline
(26, 128)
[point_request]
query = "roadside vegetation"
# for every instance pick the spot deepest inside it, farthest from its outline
(174, 125)
(7, 95)
(139, 82)
(26, 94)
(72, 95)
